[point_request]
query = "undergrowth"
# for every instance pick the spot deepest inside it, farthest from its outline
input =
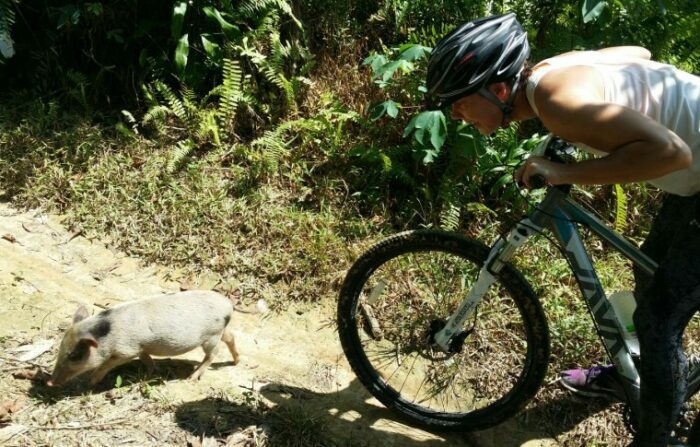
(284, 215)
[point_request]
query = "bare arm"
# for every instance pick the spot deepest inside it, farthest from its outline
(571, 106)
(624, 52)
(627, 51)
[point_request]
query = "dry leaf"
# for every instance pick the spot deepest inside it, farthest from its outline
(34, 350)
(33, 227)
(188, 284)
(9, 407)
(35, 374)
(9, 237)
(9, 432)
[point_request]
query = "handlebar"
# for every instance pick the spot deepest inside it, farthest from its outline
(554, 149)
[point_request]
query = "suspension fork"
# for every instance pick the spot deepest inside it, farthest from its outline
(449, 338)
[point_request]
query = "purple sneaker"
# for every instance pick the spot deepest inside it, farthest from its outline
(597, 381)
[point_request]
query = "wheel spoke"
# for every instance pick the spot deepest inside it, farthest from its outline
(403, 294)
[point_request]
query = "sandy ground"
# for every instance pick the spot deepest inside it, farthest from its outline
(291, 361)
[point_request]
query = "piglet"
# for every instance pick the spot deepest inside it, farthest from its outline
(164, 325)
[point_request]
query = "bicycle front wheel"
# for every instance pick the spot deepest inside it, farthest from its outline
(402, 289)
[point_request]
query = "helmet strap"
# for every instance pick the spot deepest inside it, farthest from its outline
(507, 106)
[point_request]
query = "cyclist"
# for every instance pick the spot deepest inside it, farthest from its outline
(642, 118)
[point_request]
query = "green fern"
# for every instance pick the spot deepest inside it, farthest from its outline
(156, 116)
(208, 127)
(256, 9)
(175, 104)
(272, 148)
(451, 210)
(449, 216)
(189, 100)
(620, 209)
(272, 64)
(230, 91)
(179, 153)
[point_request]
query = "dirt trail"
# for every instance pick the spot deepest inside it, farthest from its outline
(290, 361)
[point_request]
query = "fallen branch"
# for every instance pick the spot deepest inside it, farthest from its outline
(98, 425)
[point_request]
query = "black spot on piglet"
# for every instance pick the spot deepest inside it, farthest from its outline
(101, 329)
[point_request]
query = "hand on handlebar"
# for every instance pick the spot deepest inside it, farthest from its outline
(536, 172)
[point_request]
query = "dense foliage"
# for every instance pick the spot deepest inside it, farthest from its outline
(266, 143)
(321, 98)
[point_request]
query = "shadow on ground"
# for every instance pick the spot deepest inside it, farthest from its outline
(132, 373)
(301, 417)
(542, 419)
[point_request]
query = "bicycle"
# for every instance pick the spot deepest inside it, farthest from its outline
(404, 304)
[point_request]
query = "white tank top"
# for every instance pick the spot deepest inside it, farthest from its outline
(659, 91)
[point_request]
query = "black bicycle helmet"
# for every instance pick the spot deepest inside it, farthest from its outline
(474, 55)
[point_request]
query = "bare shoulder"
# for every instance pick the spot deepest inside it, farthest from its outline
(564, 91)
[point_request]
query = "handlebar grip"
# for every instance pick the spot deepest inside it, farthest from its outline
(538, 181)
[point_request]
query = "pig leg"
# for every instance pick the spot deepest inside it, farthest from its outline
(227, 337)
(148, 361)
(106, 367)
(209, 347)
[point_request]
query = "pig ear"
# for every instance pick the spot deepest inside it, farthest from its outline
(80, 314)
(82, 349)
(88, 341)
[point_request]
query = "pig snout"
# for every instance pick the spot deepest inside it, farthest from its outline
(56, 379)
(61, 375)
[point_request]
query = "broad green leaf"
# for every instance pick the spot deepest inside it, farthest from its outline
(178, 19)
(410, 127)
(412, 52)
(181, 53)
(377, 111)
(228, 28)
(212, 49)
(392, 108)
(591, 9)
(95, 9)
(438, 133)
(376, 61)
(429, 128)
(68, 15)
(387, 71)
(429, 155)
(7, 48)
(501, 182)
(388, 107)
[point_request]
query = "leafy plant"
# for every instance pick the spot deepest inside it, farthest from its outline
(322, 133)
(620, 209)
(400, 72)
(207, 33)
(7, 19)
(203, 123)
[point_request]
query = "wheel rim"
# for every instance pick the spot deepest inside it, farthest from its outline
(395, 309)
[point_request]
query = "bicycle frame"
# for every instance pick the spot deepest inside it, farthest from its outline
(561, 214)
